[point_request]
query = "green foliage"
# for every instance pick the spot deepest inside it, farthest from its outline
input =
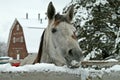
(102, 31)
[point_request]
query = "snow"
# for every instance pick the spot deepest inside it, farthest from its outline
(84, 74)
(33, 29)
(117, 40)
(81, 39)
(44, 67)
(92, 54)
(74, 63)
(112, 60)
(99, 73)
(103, 38)
(32, 22)
(98, 2)
(113, 68)
(83, 14)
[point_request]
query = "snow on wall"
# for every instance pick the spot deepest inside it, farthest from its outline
(44, 67)
(38, 67)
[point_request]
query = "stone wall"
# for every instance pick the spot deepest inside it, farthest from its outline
(38, 76)
(55, 76)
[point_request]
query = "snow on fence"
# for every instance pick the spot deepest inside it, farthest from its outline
(44, 71)
(100, 63)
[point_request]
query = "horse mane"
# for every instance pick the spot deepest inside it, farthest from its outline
(38, 58)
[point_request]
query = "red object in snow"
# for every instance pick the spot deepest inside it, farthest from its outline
(16, 64)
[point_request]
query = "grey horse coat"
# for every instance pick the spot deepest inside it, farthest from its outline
(58, 43)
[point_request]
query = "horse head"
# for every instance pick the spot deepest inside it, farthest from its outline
(59, 42)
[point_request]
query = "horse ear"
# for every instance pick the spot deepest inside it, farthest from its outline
(69, 14)
(50, 11)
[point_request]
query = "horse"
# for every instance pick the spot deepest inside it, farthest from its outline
(58, 42)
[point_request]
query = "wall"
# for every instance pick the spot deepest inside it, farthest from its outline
(38, 76)
(54, 76)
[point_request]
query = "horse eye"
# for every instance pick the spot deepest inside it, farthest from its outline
(54, 30)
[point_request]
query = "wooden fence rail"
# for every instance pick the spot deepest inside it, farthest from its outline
(99, 63)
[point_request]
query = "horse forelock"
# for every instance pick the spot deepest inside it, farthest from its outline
(59, 18)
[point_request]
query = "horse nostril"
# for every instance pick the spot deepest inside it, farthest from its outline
(70, 52)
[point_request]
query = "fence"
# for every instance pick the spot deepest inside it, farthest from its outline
(84, 74)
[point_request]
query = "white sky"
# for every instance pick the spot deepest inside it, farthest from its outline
(11, 9)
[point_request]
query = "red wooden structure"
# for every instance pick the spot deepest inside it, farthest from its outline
(16, 41)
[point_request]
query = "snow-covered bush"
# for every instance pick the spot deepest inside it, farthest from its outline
(98, 22)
